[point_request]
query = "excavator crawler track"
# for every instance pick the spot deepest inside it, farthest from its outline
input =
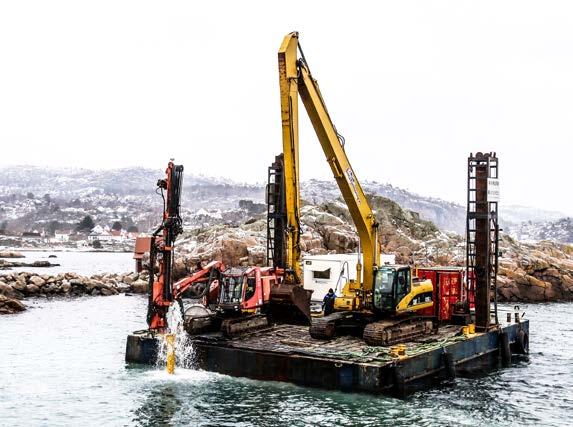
(390, 332)
(324, 328)
(240, 325)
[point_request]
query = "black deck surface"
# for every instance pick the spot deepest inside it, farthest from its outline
(295, 340)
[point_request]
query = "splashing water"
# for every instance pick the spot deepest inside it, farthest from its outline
(184, 351)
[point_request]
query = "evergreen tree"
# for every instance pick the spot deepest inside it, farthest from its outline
(53, 226)
(86, 224)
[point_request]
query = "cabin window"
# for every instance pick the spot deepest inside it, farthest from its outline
(403, 283)
(232, 289)
(250, 291)
(321, 274)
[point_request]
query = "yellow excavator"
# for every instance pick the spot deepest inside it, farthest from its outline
(384, 303)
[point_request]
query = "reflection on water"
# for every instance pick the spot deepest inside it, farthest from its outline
(159, 407)
(63, 364)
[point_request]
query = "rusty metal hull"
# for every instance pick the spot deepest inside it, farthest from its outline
(285, 353)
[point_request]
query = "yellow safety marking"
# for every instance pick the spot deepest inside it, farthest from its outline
(170, 341)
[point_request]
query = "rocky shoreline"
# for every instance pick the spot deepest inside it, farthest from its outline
(15, 287)
(8, 265)
(540, 272)
(528, 272)
(11, 254)
(533, 281)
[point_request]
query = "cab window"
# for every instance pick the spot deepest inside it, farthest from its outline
(384, 280)
(403, 283)
(232, 287)
(250, 291)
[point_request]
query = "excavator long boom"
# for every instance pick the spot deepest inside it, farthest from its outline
(296, 79)
(289, 115)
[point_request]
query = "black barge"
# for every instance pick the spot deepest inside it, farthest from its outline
(288, 353)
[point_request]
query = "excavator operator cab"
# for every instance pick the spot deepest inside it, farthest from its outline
(237, 290)
(391, 285)
(231, 291)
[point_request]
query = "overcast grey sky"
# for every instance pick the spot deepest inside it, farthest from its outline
(413, 86)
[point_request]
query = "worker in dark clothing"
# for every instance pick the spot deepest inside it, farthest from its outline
(328, 302)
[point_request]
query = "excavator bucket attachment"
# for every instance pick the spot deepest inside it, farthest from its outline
(290, 304)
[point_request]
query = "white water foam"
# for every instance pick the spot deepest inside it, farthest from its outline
(184, 351)
(183, 375)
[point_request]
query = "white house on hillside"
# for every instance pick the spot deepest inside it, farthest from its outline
(60, 237)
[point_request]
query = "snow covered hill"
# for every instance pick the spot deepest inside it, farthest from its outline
(37, 193)
(560, 230)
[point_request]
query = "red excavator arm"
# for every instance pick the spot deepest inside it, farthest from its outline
(207, 276)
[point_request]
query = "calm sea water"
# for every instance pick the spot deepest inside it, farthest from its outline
(63, 364)
(86, 263)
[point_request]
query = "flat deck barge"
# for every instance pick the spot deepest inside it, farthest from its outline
(288, 353)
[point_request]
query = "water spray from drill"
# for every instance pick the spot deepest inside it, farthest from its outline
(161, 253)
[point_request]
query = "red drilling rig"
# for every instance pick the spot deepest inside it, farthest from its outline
(233, 300)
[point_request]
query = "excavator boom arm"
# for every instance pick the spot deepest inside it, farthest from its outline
(295, 77)
(346, 179)
(200, 275)
(289, 115)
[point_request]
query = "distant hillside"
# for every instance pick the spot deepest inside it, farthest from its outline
(560, 230)
(446, 215)
(44, 200)
(134, 190)
(72, 183)
(516, 214)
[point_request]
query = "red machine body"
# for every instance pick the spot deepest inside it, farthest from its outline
(224, 291)
(247, 290)
(448, 290)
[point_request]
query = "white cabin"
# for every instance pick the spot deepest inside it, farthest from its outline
(322, 272)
